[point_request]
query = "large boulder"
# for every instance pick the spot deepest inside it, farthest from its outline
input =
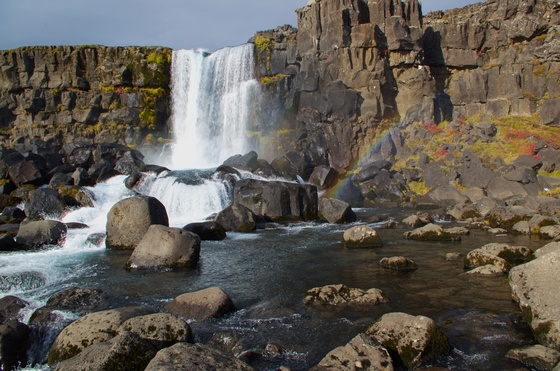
(431, 232)
(160, 329)
(502, 189)
(362, 353)
(44, 203)
(361, 236)
(323, 176)
(14, 344)
(35, 234)
(165, 247)
(277, 201)
(548, 248)
(126, 351)
(480, 258)
(91, 329)
(201, 305)
(129, 219)
(342, 295)
(10, 307)
(336, 211)
(207, 231)
(416, 339)
(184, 356)
(532, 285)
(237, 218)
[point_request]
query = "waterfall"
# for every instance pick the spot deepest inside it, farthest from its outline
(212, 96)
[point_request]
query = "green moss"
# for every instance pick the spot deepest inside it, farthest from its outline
(419, 188)
(269, 80)
(148, 118)
(264, 44)
(539, 70)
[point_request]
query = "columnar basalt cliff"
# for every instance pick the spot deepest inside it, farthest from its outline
(79, 92)
(360, 66)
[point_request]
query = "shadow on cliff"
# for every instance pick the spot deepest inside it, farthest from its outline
(433, 57)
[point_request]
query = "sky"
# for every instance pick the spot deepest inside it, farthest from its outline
(179, 24)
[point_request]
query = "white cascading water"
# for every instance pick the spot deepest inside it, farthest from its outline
(211, 99)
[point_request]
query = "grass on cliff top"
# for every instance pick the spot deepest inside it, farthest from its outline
(516, 135)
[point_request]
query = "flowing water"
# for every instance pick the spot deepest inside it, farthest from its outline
(212, 99)
(267, 273)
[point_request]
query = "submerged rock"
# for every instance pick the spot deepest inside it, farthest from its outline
(416, 339)
(165, 247)
(361, 236)
(342, 295)
(486, 271)
(195, 356)
(129, 219)
(361, 353)
(201, 305)
(398, 263)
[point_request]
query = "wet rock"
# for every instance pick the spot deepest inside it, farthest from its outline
(431, 232)
(536, 357)
(10, 307)
(197, 356)
(416, 339)
(201, 305)
(76, 196)
(489, 270)
(335, 211)
(398, 263)
(96, 239)
(14, 343)
(418, 220)
(531, 284)
(59, 179)
(165, 247)
(78, 300)
(7, 243)
(133, 179)
(361, 236)
(362, 352)
(126, 351)
(342, 295)
(247, 162)
(237, 218)
(36, 234)
(129, 219)
(207, 231)
(277, 201)
(91, 329)
(13, 214)
(453, 256)
(160, 329)
(44, 203)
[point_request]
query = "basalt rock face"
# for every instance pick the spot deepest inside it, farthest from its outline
(357, 67)
(81, 91)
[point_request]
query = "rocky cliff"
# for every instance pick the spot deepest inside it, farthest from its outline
(355, 68)
(84, 91)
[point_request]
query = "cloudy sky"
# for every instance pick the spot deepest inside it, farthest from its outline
(179, 24)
